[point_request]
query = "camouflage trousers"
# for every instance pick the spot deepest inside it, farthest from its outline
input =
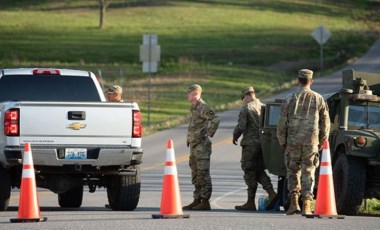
(252, 163)
(301, 162)
(199, 162)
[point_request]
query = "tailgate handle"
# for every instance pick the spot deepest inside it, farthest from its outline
(76, 115)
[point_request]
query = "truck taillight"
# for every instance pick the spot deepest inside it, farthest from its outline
(12, 122)
(137, 124)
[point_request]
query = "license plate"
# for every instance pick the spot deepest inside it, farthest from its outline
(75, 154)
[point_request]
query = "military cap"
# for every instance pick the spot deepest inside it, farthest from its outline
(245, 91)
(114, 89)
(305, 73)
(194, 87)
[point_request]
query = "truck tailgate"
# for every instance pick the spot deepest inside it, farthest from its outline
(53, 123)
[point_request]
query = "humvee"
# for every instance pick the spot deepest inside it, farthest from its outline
(354, 141)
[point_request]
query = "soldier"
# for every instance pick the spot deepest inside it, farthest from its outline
(114, 93)
(303, 126)
(203, 124)
(252, 161)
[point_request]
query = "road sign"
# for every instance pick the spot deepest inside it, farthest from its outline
(150, 53)
(321, 34)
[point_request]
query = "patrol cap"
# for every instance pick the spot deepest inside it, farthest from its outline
(114, 89)
(305, 74)
(246, 90)
(194, 87)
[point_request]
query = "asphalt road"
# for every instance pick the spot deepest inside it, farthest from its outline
(228, 185)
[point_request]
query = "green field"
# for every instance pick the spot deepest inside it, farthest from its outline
(223, 45)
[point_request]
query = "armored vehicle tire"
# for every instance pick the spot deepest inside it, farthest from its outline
(349, 175)
(72, 198)
(5, 191)
(124, 191)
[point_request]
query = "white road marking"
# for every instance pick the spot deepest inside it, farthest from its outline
(216, 200)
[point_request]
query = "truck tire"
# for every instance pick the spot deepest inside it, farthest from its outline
(5, 191)
(124, 191)
(349, 175)
(72, 198)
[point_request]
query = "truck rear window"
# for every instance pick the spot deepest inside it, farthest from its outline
(47, 88)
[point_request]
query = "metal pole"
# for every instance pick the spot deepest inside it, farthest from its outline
(149, 70)
(321, 59)
(121, 74)
(101, 78)
(149, 101)
(321, 65)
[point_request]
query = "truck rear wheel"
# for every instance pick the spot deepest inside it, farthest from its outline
(5, 191)
(72, 198)
(124, 191)
(349, 175)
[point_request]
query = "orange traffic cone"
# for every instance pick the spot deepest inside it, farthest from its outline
(29, 209)
(171, 205)
(325, 205)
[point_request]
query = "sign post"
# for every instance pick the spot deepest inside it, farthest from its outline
(321, 35)
(149, 56)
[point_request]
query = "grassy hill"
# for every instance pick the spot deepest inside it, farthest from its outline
(224, 45)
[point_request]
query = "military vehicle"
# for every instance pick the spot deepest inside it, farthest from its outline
(272, 151)
(354, 141)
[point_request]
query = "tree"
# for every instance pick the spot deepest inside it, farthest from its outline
(102, 8)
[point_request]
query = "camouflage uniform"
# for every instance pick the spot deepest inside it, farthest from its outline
(252, 161)
(303, 126)
(203, 124)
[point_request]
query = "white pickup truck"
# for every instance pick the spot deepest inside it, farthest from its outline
(77, 138)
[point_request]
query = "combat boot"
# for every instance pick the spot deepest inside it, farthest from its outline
(273, 198)
(249, 206)
(306, 208)
(294, 207)
(204, 205)
(190, 206)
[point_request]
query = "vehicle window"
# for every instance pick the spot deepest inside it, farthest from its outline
(274, 114)
(364, 116)
(47, 88)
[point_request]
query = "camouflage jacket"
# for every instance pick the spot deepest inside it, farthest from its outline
(304, 119)
(248, 123)
(202, 122)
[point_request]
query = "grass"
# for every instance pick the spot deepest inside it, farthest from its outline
(201, 32)
(370, 206)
